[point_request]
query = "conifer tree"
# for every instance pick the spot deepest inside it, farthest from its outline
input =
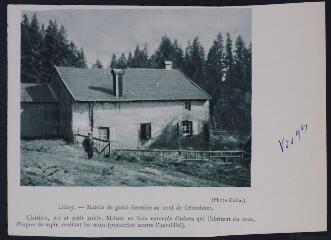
(140, 58)
(239, 62)
(113, 62)
(81, 61)
(97, 65)
(129, 60)
(35, 45)
(41, 49)
(136, 63)
(215, 82)
(248, 67)
(26, 52)
(121, 63)
(195, 61)
(144, 57)
(215, 66)
(177, 57)
(167, 51)
(228, 58)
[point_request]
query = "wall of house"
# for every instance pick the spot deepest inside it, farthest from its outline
(80, 118)
(64, 125)
(124, 119)
(38, 120)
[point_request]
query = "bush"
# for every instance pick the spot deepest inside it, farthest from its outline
(147, 158)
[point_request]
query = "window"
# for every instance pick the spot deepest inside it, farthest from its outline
(188, 105)
(187, 128)
(146, 131)
(103, 133)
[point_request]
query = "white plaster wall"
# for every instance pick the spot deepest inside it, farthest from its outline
(80, 118)
(124, 119)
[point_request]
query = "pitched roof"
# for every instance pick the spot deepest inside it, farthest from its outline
(33, 92)
(140, 84)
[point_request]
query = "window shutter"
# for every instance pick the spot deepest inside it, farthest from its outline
(114, 84)
(146, 131)
(191, 127)
(108, 134)
(177, 129)
(149, 130)
(143, 131)
(195, 127)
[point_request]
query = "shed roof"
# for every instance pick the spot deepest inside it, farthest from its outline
(34, 92)
(140, 84)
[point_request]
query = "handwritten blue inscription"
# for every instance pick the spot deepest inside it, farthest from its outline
(284, 143)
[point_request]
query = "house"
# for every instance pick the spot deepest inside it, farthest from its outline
(130, 107)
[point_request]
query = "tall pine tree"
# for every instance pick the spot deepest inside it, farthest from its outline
(239, 63)
(140, 58)
(36, 44)
(97, 65)
(215, 66)
(228, 58)
(122, 63)
(113, 61)
(167, 51)
(41, 49)
(195, 61)
(129, 60)
(215, 84)
(26, 50)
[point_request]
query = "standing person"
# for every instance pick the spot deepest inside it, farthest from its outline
(88, 145)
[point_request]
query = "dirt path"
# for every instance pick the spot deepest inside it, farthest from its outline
(54, 163)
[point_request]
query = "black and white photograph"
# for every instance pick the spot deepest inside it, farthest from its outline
(136, 97)
(166, 121)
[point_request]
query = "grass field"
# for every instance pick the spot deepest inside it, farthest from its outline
(54, 163)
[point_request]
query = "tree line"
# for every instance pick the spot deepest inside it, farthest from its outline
(43, 47)
(224, 71)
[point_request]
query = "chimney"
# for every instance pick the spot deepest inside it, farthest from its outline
(118, 79)
(168, 65)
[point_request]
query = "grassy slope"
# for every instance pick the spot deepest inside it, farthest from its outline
(53, 163)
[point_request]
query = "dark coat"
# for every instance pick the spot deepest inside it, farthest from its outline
(88, 144)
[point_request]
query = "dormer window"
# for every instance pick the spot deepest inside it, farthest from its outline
(188, 105)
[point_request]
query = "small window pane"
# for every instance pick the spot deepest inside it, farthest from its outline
(103, 133)
(187, 128)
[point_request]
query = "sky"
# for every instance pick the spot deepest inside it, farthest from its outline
(103, 33)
